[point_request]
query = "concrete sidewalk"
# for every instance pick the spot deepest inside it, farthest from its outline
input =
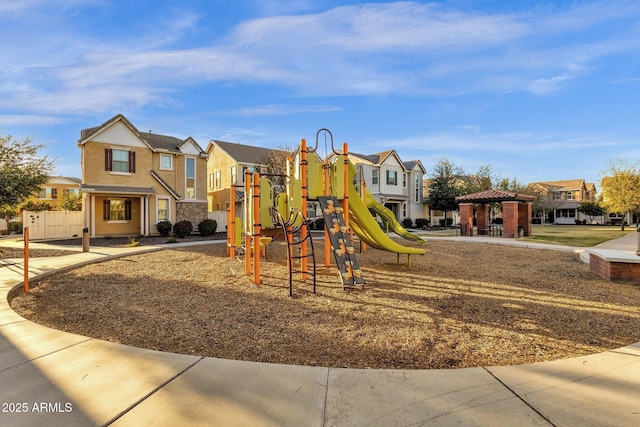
(53, 378)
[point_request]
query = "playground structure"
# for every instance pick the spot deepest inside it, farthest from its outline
(347, 207)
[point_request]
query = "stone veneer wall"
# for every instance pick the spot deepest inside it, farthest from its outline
(191, 211)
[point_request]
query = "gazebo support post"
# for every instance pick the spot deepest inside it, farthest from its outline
(466, 219)
(510, 218)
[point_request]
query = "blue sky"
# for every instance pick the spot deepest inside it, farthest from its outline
(539, 90)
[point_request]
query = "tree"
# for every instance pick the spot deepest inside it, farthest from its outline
(511, 185)
(444, 186)
(70, 202)
(22, 171)
(591, 210)
(276, 163)
(482, 180)
(620, 186)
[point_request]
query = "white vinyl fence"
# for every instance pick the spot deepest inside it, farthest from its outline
(53, 224)
(221, 219)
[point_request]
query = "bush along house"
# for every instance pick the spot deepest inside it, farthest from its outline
(132, 180)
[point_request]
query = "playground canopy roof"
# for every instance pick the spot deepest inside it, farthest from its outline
(493, 196)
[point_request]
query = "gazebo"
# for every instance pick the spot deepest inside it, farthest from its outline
(516, 211)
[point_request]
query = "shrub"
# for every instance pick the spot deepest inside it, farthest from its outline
(407, 222)
(207, 227)
(421, 223)
(164, 228)
(182, 228)
(172, 240)
(36, 206)
(15, 227)
(319, 223)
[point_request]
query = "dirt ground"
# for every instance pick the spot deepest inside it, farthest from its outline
(461, 305)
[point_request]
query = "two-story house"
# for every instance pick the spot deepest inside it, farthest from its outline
(394, 183)
(226, 167)
(56, 189)
(132, 180)
(560, 199)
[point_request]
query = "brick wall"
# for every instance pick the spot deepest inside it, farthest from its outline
(614, 271)
(482, 218)
(466, 219)
(510, 219)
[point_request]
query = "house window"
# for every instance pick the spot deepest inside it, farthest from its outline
(117, 210)
(73, 192)
(190, 174)
(210, 181)
(218, 179)
(119, 160)
(166, 162)
(392, 178)
(404, 210)
(404, 180)
(374, 177)
(233, 175)
(566, 213)
(417, 190)
(163, 210)
(49, 193)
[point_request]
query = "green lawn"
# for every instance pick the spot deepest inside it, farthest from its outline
(577, 235)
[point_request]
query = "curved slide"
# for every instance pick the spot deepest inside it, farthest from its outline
(367, 228)
(389, 218)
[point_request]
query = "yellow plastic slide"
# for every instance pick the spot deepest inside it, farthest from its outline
(367, 228)
(390, 218)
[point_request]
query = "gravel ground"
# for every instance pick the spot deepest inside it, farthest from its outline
(461, 305)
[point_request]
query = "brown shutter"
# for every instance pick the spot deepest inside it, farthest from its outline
(132, 161)
(127, 210)
(106, 210)
(108, 159)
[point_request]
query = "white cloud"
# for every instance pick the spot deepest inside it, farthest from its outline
(281, 109)
(394, 48)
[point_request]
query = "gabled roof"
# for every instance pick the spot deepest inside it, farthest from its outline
(489, 196)
(64, 180)
(563, 185)
(166, 186)
(155, 142)
(242, 153)
(411, 164)
(379, 158)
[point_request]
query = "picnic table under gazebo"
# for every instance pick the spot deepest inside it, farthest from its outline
(516, 212)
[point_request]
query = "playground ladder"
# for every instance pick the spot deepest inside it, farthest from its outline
(341, 245)
(293, 231)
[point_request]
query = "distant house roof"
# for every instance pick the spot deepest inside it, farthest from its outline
(154, 141)
(243, 153)
(564, 185)
(61, 179)
(379, 158)
(490, 196)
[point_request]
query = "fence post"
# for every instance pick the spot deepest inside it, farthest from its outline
(26, 259)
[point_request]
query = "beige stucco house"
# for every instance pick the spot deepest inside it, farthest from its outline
(562, 198)
(55, 190)
(132, 180)
(225, 169)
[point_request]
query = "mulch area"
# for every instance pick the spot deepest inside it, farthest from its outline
(461, 305)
